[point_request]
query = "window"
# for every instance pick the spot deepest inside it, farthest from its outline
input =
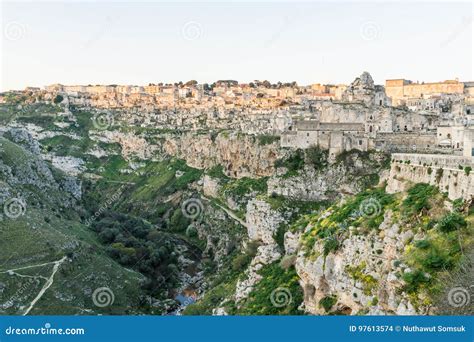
(307, 134)
(360, 142)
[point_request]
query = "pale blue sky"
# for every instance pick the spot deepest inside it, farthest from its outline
(311, 42)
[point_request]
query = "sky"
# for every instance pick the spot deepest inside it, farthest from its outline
(98, 42)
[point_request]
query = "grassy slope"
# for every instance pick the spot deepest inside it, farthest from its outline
(46, 233)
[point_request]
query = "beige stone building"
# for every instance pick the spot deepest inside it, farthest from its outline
(469, 143)
(399, 90)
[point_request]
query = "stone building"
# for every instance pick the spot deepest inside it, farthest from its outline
(399, 90)
(335, 137)
(468, 148)
(355, 122)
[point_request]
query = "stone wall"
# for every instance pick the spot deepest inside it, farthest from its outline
(408, 142)
(448, 173)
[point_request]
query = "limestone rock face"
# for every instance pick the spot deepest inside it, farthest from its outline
(362, 274)
(30, 170)
(262, 221)
(22, 137)
(265, 255)
(132, 145)
(291, 242)
(362, 89)
(210, 186)
(240, 155)
(347, 177)
(219, 312)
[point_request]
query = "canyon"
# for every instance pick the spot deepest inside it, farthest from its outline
(310, 207)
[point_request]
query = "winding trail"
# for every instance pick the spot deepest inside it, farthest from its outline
(47, 285)
(229, 212)
(31, 266)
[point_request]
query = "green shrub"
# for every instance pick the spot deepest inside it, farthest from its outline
(437, 260)
(331, 244)
(246, 185)
(241, 261)
(217, 172)
(413, 280)
(294, 162)
(317, 157)
(278, 293)
(178, 221)
(357, 273)
(452, 221)
(418, 196)
(267, 139)
(58, 99)
(467, 170)
(439, 174)
(458, 205)
(327, 302)
(423, 244)
(280, 235)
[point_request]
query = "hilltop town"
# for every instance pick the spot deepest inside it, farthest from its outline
(402, 116)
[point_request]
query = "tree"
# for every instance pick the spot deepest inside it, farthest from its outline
(191, 83)
(58, 99)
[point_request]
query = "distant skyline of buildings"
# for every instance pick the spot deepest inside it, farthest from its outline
(314, 42)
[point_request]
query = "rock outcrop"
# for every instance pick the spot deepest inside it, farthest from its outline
(361, 277)
(262, 221)
(265, 255)
(349, 175)
(240, 155)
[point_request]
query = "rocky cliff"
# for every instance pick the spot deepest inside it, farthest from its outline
(240, 155)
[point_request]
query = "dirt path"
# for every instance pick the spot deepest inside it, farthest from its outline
(47, 285)
(229, 212)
